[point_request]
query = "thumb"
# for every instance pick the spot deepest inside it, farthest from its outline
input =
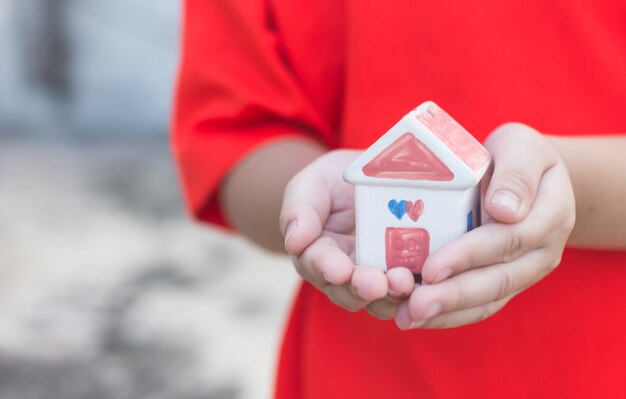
(306, 206)
(520, 157)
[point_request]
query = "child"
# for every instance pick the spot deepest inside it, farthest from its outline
(269, 91)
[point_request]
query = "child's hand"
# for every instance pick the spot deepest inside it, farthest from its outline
(528, 214)
(317, 221)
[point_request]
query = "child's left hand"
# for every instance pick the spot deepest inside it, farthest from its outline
(528, 214)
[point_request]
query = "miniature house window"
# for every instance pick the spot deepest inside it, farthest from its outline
(470, 221)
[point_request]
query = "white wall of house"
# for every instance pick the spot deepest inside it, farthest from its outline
(444, 217)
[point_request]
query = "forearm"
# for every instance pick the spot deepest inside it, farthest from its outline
(597, 167)
(251, 195)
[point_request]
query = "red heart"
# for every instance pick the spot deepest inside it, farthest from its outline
(414, 209)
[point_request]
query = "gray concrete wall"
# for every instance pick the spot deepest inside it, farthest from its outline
(87, 67)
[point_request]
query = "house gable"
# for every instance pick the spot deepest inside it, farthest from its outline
(408, 158)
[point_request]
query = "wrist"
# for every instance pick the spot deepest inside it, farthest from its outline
(597, 169)
(251, 194)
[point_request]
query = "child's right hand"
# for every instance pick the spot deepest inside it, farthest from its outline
(317, 221)
(528, 214)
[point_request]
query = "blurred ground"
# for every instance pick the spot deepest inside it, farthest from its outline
(108, 291)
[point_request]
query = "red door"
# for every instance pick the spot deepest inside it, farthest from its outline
(406, 247)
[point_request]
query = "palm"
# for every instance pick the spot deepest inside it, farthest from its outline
(321, 206)
(339, 223)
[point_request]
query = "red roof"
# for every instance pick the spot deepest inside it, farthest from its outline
(454, 136)
(426, 148)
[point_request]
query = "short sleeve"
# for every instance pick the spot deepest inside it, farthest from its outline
(235, 92)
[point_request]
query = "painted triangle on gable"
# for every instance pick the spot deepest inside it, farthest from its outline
(408, 158)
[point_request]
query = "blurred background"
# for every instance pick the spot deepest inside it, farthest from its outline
(107, 289)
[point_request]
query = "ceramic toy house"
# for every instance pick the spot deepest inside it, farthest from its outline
(416, 189)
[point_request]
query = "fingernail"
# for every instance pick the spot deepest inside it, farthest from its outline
(506, 199)
(291, 227)
(432, 310)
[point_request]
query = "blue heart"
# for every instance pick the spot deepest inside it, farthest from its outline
(397, 208)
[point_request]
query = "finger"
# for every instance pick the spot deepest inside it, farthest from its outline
(549, 222)
(401, 283)
(480, 286)
(487, 245)
(451, 319)
(384, 309)
(368, 284)
(513, 185)
(324, 262)
(306, 207)
(344, 296)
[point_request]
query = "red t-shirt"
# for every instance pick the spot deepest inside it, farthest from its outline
(343, 72)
